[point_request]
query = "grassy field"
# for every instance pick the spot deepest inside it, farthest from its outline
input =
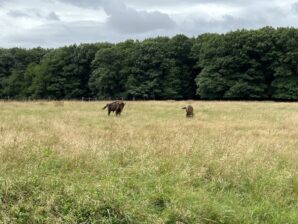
(234, 162)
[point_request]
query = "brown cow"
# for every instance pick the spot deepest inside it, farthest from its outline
(116, 106)
(189, 111)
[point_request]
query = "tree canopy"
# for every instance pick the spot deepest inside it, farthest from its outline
(241, 65)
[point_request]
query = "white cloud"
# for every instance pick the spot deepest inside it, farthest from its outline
(56, 34)
(53, 23)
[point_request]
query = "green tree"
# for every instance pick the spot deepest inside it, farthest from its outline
(110, 70)
(185, 71)
(13, 64)
(285, 83)
(236, 65)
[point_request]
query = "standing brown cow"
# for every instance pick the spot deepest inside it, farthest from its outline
(116, 106)
(189, 111)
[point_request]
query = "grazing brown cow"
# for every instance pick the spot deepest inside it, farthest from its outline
(116, 106)
(189, 111)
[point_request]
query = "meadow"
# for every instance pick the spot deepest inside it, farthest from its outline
(234, 162)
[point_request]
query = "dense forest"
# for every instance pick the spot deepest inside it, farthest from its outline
(244, 64)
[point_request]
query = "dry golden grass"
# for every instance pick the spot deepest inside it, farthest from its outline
(234, 162)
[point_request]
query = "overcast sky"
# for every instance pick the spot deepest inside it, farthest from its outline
(53, 23)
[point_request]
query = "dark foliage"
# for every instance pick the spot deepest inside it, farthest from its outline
(245, 64)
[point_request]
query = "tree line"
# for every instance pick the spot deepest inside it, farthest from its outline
(240, 65)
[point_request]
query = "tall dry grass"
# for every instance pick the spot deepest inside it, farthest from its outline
(234, 162)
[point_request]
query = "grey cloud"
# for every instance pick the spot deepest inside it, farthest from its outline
(53, 16)
(38, 14)
(253, 18)
(227, 23)
(181, 3)
(98, 3)
(33, 13)
(232, 23)
(84, 3)
(295, 7)
(17, 14)
(125, 19)
(129, 20)
(2, 2)
(59, 33)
